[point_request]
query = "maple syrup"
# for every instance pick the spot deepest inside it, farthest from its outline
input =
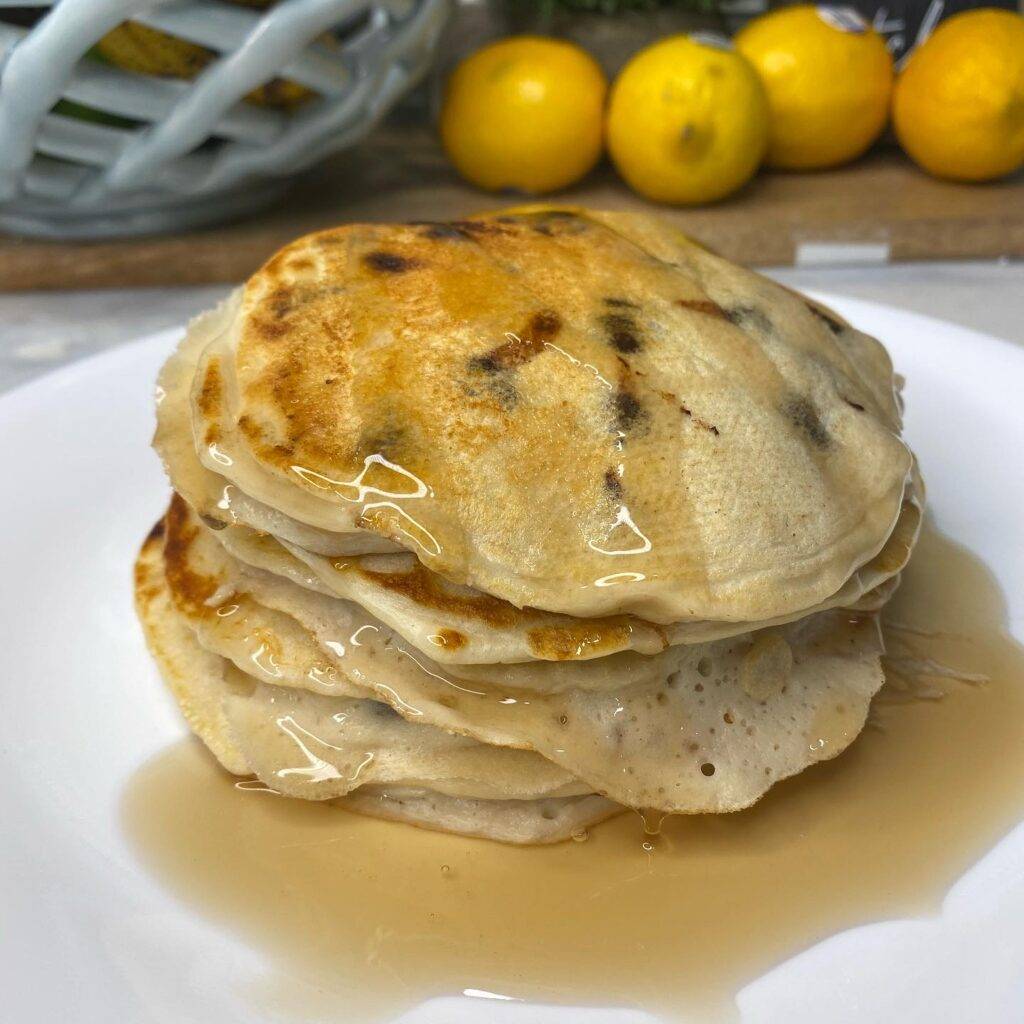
(673, 918)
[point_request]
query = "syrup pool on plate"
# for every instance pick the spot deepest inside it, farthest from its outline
(373, 917)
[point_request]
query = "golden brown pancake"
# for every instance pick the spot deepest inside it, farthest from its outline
(563, 410)
(358, 753)
(711, 727)
(502, 525)
(450, 623)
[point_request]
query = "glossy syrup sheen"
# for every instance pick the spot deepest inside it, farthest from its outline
(374, 917)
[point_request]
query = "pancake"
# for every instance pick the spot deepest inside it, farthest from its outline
(456, 625)
(532, 822)
(450, 623)
(560, 413)
(194, 676)
(214, 594)
(500, 526)
(213, 497)
(318, 748)
(707, 727)
(301, 745)
(686, 743)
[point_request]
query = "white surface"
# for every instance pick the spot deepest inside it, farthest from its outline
(827, 254)
(87, 936)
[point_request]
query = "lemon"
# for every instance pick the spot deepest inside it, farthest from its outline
(829, 81)
(524, 113)
(687, 121)
(958, 109)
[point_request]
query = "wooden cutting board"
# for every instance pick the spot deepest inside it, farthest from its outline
(880, 208)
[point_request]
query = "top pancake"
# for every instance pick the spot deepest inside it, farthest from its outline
(584, 413)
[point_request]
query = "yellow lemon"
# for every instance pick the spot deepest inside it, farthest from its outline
(524, 113)
(687, 121)
(829, 80)
(958, 109)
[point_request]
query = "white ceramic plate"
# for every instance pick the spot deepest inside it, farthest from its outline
(86, 935)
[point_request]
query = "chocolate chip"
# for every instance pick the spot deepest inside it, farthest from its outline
(803, 415)
(622, 331)
(833, 324)
(628, 410)
(522, 347)
(389, 262)
(749, 318)
(613, 484)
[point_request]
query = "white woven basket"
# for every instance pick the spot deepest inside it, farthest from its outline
(196, 151)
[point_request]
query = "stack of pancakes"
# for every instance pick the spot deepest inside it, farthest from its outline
(499, 526)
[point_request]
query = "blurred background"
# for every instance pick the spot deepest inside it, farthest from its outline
(153, 154)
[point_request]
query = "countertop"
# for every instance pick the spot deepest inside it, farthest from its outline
(40, 331)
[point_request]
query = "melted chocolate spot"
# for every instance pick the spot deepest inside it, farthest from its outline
(456, 229)
(382, 438)
(157, 532)
(803, 415)
(748, 317)
(440, 229)
(567, 223)
(505, 391)
(833, 324)
(487, 364)
(613, 484)
(628, 410)
(389, 262)
(520, 348)
(622, 332)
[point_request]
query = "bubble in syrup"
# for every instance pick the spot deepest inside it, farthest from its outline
(581, 836)
(648, 846)
(446, 871)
